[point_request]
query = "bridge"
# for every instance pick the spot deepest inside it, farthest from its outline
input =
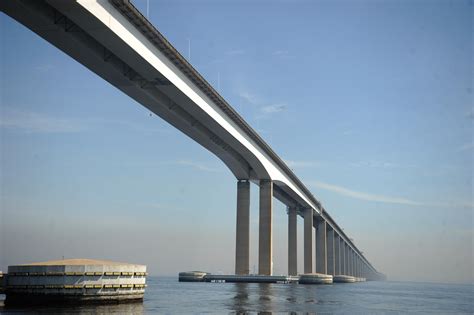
(115, 41)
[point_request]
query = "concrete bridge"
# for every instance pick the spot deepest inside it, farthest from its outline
(114, 40)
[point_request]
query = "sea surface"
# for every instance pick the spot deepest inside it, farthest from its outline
(165, 295)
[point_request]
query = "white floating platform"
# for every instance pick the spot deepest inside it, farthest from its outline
(2, 282)
(201, 276)
(192, 276)
(250, 278)
(75, 281)
(309, 278)
(344, 279)
(315, 278)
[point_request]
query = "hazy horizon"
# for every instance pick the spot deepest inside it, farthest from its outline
(369, 103)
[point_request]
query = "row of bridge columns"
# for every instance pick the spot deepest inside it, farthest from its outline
(334, 255)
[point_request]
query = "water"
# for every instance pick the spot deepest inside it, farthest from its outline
(167, 295)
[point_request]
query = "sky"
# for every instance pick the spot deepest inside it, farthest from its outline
(370, 103)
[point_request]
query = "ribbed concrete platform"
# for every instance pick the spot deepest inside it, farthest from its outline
(315, 278)
(344, 279)
(310, 278)
(2, 282)
(200, 276)
(192, 276)
(75, 281)
(250, 278)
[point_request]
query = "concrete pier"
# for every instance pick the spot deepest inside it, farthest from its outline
(250, 279)
(309, 278)
(308, 241)
(346, 259)
(337, 254)
(242, 237)
(349, 261)
(321, 249)
(292, 242)
(265, 250)
(191, 276)
(344, 279)
(356, 263)
(75, 281)
(2, 282)
(352, 263)
(315, 278)
(343, 257)
(330, 252)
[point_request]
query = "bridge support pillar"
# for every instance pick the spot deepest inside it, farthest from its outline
(265, 250)
(344, 251)
(337, 254)
(349, 269)
(359, 267)
(292, 242)
(359, 274)
(308, 240)
(354, 270)
(356, 265)
(349, 254)
(330, 252)
(321, 249)
(242, 234)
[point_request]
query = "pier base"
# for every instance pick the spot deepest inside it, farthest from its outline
(74, 281)
(315, 278)
(344, 279)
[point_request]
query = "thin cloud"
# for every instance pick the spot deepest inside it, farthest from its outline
(281, 53)
(235, 52)
(153, 205)
(249, 97)
(381, 164)
(364, 196)
(44, 67)
(470, 114)
(466, 147)
(272, 109)
(129, 124)
(32, 122)
(264, 109)
(386, 199)
(302, 164)
(197, 165)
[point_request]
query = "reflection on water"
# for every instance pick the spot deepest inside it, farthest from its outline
(265, 296)
(135, 308)
(167, 295)
(241, 298)
(291, 293)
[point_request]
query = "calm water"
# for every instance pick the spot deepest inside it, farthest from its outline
(167, 295)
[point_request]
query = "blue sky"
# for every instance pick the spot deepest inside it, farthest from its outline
(369, 102)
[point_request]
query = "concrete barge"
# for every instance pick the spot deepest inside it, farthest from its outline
(201, 276)
(75, 281)
(344, 279)
(315, 278)
(2, 282)
(192, 276)
(312, 278)
(250, 279)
